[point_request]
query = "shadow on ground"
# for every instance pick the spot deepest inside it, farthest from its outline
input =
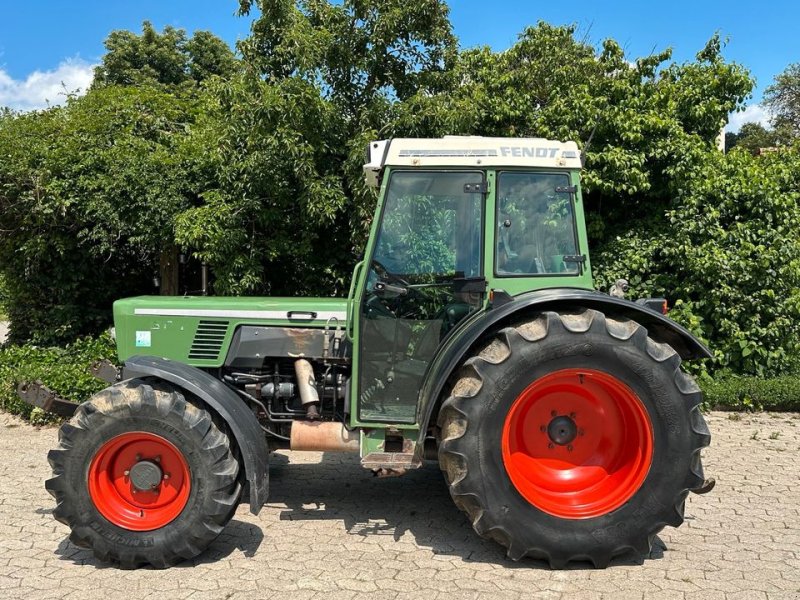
(418, 503)
(238, 536)
(338, 488)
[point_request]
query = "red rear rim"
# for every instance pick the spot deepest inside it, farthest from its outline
(139, 481)
(577, 443)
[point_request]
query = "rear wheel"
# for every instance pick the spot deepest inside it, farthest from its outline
(142, 476)
(573, 437)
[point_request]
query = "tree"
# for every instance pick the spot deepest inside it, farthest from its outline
(727, 257)
(167, 58)
(752, 137)
(649, 120)
(782, 99)
(88, 194)
(281, 145)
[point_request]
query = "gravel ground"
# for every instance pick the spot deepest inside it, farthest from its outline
(330, 531)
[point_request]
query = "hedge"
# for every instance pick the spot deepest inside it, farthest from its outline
(752, 393)
(64, 370)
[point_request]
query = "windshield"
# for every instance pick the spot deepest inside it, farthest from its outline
(431, 228)
(535, 224)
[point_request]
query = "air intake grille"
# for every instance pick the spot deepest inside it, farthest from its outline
(208, 340)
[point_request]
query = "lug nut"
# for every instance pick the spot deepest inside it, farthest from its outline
(550, 445)
(569, 448)
(166, 475)
(543, 428)
(571, 416)
(138, 457)
(126, 473)
(157, 459)
(553, 413)
(580, 431)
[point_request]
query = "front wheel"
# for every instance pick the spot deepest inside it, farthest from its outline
(143, 476)
(573, 437)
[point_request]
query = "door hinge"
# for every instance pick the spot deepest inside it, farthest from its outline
(476, 188)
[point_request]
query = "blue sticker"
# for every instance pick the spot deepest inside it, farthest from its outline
(142, 339)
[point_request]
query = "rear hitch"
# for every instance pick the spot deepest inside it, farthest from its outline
(40, 396)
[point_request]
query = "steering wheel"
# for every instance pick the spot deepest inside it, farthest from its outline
(388, 275)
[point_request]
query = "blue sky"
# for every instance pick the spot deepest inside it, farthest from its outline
(45, 42)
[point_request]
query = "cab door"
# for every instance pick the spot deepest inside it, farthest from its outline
(424, 275)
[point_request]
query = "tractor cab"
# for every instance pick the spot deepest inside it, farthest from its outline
(457, 219)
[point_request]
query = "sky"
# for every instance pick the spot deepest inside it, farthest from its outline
(49, 45)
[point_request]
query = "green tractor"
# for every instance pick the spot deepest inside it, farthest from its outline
(560, 416)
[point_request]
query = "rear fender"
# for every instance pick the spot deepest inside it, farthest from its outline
(241, 421)
(464, 340)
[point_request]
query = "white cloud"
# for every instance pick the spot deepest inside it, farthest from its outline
(755, 113)
(43, 88)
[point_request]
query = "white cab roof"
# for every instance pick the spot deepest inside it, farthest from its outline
(470, 151)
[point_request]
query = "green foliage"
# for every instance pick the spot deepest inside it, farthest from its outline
(728, 256)
(254, 166)
(271, 190)
(782, 98)
(752, 393)
(63, 370)
(88, 195)
(752, 137)
(167, 58)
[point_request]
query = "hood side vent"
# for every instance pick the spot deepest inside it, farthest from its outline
(208, 340)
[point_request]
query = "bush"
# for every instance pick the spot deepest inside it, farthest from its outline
(63, 370)
(752, 393)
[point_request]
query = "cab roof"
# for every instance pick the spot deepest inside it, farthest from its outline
(470, 151)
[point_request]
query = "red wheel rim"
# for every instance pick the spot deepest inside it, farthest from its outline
(113, 472)
(577, 443)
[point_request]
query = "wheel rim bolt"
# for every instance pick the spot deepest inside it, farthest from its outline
(166, 475)
(553, 413)
(551, 445)
(138, 457)
(569, 448)
(126, 473)
(572, 415)
(543, 428)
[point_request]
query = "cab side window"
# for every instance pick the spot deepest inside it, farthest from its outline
(535, 224)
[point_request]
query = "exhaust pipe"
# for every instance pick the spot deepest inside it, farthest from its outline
(327, 436)
(307, 387)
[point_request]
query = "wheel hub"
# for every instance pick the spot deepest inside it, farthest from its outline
(562, 430)
(145, 475)
(577, 443)
(139, 481)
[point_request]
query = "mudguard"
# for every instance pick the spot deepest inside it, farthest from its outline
(241, 421)
(464, 338)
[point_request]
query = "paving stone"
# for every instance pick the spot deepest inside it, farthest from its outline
(333, 532)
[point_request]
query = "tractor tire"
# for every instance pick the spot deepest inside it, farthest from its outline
(143, 476)
(572, 437)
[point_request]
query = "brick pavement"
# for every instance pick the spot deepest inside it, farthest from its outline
(331, 531)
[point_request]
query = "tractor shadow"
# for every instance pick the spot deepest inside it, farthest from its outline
(238, 536)
(416, 504)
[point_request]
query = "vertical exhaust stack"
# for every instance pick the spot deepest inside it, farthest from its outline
(308, 387)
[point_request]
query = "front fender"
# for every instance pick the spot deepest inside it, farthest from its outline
(454, 352)
(242, 422)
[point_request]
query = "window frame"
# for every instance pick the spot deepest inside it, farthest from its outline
(502, 275)
(483, 203)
